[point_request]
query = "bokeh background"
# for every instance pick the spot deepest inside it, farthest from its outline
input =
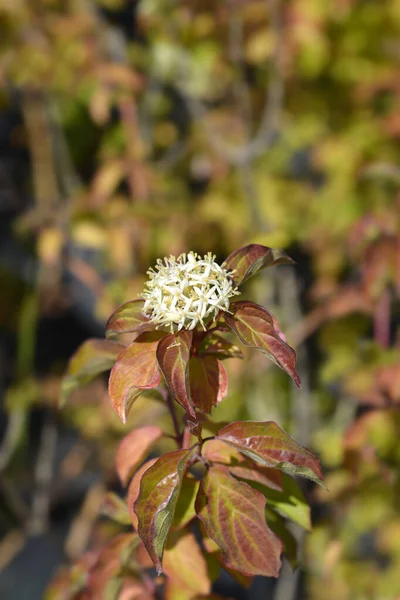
(131, 130)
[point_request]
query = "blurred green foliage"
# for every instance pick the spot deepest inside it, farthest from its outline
(156, 127)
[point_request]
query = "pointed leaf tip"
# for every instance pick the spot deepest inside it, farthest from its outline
(208, 382)
(254, 326)
(173, 355)
(155, 506)
(136, 369)
(249, 260)
(267, 443)
(128, 318)
(92, 357)
(133, 449)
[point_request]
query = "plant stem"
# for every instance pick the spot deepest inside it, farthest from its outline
(171, 408)
(186, 438)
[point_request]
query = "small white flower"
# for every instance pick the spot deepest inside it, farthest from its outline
(184, 291)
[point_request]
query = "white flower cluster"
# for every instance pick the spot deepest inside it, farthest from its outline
(184, 291)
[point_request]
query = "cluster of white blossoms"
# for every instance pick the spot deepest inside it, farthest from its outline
(184, 291)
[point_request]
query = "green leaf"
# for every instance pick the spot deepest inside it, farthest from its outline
(233, 514)
(254, 326)
(173, 354)
(115, 509)
(128, 318)
(92, 358)
(134, 448)
(251, 259)
(159, 493)
(268, 444)
(134, 488)
(208, 382)
(185, 509)
(215, 345)
(290, 503)
(280, 528)
(136, 369)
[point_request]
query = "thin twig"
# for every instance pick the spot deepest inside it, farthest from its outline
(82, 525)
(269, 122)
(10, 546)
(172, 412)
(12, 436)
(186, 438)
(38, 521)
(236, 53)
(302, 417)
(13, 499)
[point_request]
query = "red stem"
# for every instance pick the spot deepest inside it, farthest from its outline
(382, 320)
(171, 408)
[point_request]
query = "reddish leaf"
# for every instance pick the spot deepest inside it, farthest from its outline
(128, 318)
(233, 514)
(216, 451)
(268, 444)
(185, 567)
(254, 326)
(110, 562)
(134, 448)
(173, 354)
(214, 559)
(134, 488)
(155, 507)
(136, 369)
(134, 590)
(215, 345)
(92, 358)
(208, 382)
(74, 577)
(251, 259)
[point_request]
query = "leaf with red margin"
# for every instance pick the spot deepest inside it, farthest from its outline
(185, 567)
(134, 488)
(136, 369)
(155, 506)
(233, 514)
(134, 448)
(128, 318)
(92, 358)
(214, 559)
(251, 259)
(217, 451)
(254, 326)
(215, 345)
(173, 354)
(266, 443)
(208, 382)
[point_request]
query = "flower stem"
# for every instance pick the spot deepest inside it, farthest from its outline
(186, 438)
(172, 412)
